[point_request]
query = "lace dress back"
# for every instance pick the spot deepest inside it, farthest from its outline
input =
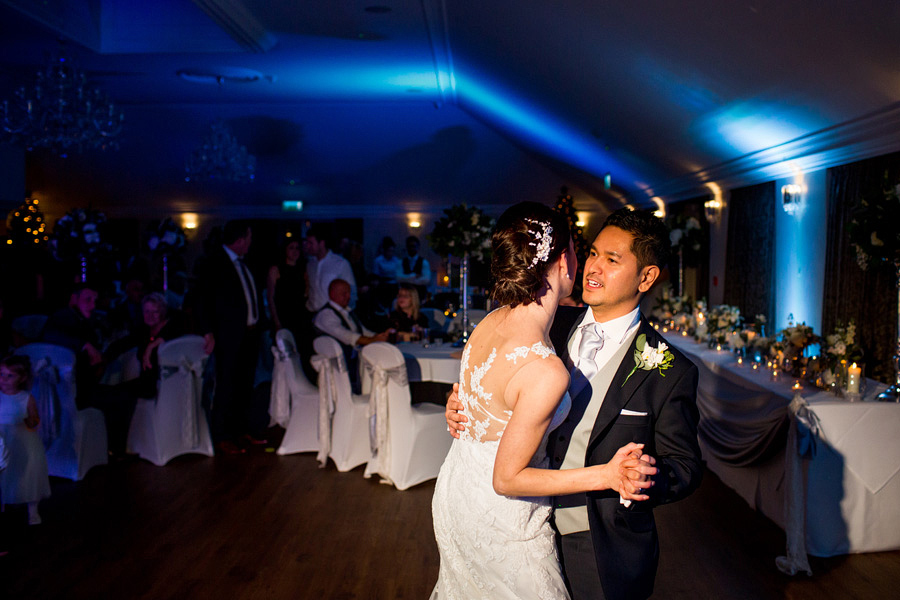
(493, 546)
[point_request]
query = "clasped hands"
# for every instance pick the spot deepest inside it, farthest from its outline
(629, 472)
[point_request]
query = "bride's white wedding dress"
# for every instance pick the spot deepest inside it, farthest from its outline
(493, 546)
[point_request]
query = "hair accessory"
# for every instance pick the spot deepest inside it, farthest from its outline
(542, 241)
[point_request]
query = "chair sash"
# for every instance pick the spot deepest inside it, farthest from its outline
(379, 420)
(804, 433)
(280, 406)
(329, 369)
(187, 397)
(46, 380)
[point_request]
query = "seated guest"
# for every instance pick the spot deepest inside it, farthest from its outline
(158, 327)
(406, 318)
(335, 319)
(414, 268)
(71, 327)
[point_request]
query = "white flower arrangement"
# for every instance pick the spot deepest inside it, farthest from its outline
(463, 229)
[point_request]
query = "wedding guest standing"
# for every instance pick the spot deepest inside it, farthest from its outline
(415, 269)
(387, 265)
(229, 316)
(286, 290)
(25, 480)
(324, 266)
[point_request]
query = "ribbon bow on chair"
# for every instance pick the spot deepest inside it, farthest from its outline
(190, 418)
(280, 407)
(46, 378)
(328, 369)
(803, 435)
(379, 425)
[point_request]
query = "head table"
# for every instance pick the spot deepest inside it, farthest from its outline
(759, 433)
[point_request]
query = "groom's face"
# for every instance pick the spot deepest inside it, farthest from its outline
(612, 280)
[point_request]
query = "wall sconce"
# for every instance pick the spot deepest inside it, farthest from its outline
(413, 221)
(792, 198)
(713, 210)
(189, 221)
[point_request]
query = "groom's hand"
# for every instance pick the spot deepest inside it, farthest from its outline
(455, 418)
(630, 472)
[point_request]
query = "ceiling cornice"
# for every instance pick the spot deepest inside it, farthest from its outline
(239, 23)
(872, 134)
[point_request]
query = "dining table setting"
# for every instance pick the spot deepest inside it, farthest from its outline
(824, 465)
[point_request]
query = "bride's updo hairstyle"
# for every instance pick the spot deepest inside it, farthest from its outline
(528, 237)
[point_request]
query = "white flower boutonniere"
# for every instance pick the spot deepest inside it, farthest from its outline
(647, 357)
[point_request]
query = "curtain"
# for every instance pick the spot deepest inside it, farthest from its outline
(750, 258)
(867, 297)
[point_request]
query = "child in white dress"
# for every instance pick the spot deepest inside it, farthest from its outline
(25, 480)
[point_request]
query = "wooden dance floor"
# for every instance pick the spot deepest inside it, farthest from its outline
(271, 527)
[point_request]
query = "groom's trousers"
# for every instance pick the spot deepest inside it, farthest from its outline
(576, 554)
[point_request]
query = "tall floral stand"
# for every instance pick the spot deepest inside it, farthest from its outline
(464, 299)
(892, 394)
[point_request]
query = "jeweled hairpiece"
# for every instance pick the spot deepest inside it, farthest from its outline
(542, 241)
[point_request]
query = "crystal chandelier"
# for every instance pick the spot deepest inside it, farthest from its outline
(61, 112)
(220, 156)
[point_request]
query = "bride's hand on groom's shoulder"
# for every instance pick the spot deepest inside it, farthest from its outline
(453, 414)
(630, 472)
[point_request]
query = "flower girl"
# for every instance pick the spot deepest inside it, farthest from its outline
(25, 480)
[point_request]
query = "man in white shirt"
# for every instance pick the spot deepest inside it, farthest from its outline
(324, 266)
(338, 321)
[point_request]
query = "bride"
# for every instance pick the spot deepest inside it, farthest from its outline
(491, 505)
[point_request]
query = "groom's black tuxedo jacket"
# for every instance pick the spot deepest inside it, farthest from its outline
(625, 540)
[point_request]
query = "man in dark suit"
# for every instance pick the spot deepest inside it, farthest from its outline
(228, 316)
(626, 385)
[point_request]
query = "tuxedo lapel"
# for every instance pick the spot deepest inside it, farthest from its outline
(621, 391)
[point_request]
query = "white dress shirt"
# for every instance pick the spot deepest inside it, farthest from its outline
(615, 332)
(247, 283)
(330, 323)
(322, 273)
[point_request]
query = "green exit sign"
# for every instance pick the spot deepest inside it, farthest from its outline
(292, 205)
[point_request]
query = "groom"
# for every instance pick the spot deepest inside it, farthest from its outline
(626, 386)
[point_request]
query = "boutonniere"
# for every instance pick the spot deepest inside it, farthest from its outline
(647, 357)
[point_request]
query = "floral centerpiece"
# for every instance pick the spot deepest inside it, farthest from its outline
(686, 236)
(721, 321)
(789, 349)
(167, 239)
(78, 236)
(670, 308)
(698, 324)
(463, 229)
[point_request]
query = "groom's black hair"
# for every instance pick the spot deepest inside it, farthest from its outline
(650, 236)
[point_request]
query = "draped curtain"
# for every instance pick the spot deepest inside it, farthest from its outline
(750, 258)
(867, 297)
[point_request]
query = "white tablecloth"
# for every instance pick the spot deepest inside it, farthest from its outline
(437, 362)
(853, 479)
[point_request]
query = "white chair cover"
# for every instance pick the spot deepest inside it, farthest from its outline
(77, 438)
(294, 402)
(412, 440)
(348, 425)
(288, 378)
(173, 423)
(437, 320)
(29, 327)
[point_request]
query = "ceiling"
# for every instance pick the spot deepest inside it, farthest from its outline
(374, 105)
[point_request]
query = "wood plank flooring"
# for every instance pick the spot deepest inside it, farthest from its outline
(271, 527)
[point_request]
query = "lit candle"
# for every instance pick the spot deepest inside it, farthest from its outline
(684, 334)
(853, 376)
(755, 366)
(665, 329)
(718, 347)
(796, 386)
(740, 360)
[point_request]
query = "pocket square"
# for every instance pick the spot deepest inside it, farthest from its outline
(631, 413)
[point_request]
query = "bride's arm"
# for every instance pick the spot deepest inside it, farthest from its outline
(534, 397)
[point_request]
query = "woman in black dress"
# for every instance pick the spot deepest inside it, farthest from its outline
(286, 291)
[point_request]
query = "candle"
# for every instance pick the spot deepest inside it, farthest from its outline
(684, 334)
(796, 386)
(854, 374)
(740, 360)
(755, 366)
(718, 347)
